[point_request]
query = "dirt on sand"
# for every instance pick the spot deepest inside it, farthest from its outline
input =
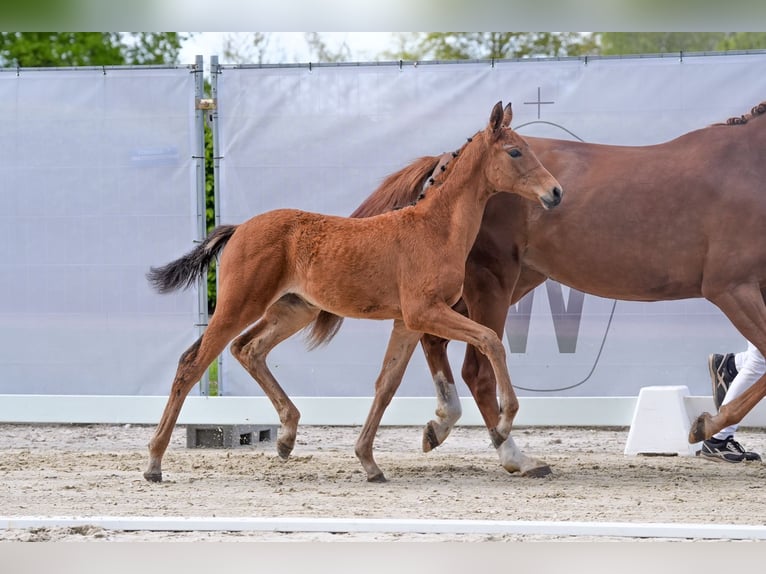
(96, 470)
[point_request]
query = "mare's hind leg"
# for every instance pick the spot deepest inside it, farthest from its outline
(745, 308)
(287, 316)
(191, 365)
(400, 346)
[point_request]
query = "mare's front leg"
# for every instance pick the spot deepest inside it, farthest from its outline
(401, 344)
(287, 316)
(487, 297)
(745, 308)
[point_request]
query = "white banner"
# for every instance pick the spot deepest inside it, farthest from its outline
(322, 138)
(97, 183)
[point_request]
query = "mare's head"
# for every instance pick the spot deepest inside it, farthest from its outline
(511, 165)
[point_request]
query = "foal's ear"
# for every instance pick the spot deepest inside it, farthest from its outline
(496, 118)
(507, 115)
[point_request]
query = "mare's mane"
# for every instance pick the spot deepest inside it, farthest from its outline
(397, 189)
(405, 187)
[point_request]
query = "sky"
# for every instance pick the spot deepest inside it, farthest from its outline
(289, 47)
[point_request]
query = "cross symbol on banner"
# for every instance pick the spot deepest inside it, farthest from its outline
(539, 102)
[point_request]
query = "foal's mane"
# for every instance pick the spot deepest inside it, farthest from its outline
(738, 120)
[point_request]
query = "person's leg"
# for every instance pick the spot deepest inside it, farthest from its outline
(739, 361)
(722, 445)
(723, 369)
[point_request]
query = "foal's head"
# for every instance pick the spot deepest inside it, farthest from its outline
(512, 167)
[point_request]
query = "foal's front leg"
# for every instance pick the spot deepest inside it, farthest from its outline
(443, 321)
(400, 347)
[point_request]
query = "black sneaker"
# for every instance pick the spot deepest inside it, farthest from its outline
(726, 450)
(722, 373)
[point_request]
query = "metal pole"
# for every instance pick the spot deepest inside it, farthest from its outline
(214, 72)
(199, 158)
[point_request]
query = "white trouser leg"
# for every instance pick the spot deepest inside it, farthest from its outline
(752, 367)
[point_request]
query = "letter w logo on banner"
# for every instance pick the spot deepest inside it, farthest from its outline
(566, 318)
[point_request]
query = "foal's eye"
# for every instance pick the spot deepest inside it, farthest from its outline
(514, 152)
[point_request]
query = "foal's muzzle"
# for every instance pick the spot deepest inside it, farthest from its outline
(553, 198)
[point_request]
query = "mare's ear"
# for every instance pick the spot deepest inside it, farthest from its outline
(496, 119)
(507, 115)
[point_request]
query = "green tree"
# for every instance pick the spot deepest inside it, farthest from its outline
(486, 45)
(210, 206)
(246, 48)
(613, 43)
(320, 52)
(41, 49)
(743, 41)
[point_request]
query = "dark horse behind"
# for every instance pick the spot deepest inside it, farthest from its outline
(681, 219)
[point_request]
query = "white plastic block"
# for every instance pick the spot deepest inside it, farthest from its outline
(661, 423)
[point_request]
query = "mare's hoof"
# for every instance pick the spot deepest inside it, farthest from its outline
(430, 441)
(538, 471)
(697, 432)
(153, 476)
(379, 478)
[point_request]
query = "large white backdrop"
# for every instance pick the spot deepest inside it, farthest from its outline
(322, 138)
(97, 183)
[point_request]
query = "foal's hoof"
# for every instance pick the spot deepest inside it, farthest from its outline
(538, 471)
(284, 450)
(380, 478)
(430, 440)
(153, 476)
(697, 432)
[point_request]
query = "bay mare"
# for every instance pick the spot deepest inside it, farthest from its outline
(407, 265)
(681, 219)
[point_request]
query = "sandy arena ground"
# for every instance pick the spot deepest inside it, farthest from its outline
(96, 470)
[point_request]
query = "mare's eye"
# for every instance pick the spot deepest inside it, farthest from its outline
(514, 152)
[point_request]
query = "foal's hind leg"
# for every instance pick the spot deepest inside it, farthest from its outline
(448, 407)
(287, 316)
(191, 365)
(400, 347)
(745, 308)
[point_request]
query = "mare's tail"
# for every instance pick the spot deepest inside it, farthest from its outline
(184, 271)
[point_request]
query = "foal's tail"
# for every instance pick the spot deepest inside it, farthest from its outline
(183, 272)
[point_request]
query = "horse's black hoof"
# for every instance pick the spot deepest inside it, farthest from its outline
(153, 476)
(430, 441)
(379, 478)
(538, 472)
(284, 451)
(697, 432)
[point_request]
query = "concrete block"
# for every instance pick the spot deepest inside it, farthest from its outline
(228, 436)
(661, 423)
